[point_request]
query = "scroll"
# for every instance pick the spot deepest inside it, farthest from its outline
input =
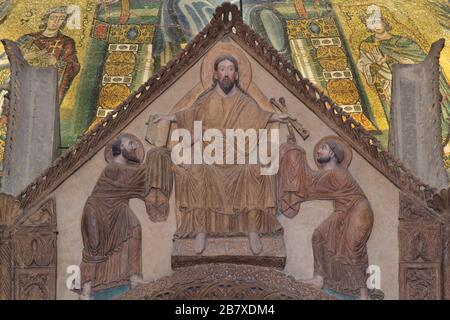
(157, 133)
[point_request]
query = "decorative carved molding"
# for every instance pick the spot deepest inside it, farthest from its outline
(9, 210)
(18, 65)
(34, 250)
(446, 262)
(422, 244)
(33, 284)
(28, 253)
(422, 239)
(44, 216)
(411, 211)
(5, 270)
(418, 282)
(440, 202)
(226, 22)
(226, 281)
(34, 253)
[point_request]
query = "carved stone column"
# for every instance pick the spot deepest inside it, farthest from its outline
(33, 121)
(5, 270)
(34, 254)
(446, 262)
(415, 120)
(421, 247)
(441, 204)
(27, 251)
(9, 211)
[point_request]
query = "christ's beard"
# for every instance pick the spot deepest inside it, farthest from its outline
(226, 85)
(323, 160)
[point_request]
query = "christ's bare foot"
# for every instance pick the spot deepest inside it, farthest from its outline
(255, 242)
(316, 281)
(200, 242)
(136, 280)
(86, 292)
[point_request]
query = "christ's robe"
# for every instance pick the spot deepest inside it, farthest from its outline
(340, 242)
(224, 199)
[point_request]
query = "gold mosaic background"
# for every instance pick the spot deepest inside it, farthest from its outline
(120, 43)
(417, 20)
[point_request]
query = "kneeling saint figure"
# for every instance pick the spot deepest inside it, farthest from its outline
(340, 242)
(110, 230)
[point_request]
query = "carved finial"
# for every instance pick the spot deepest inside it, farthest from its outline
(9, 209)
(227, 15)
(13, 52)
(435, 50)
(441, 203)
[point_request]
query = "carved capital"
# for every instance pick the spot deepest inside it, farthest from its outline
(43, 217)
(28, 252)
(35, 284)
(440, 202)
(226, 281)
(9, 210)
(5, 270)
(420, 282)
(412, 211)
(421, 235)
(34, 250)
(420, 244)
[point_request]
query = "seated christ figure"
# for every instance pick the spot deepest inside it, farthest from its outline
(225, 199)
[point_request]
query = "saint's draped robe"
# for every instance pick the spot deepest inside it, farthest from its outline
(224, 199)
(111, 232)
(339, 243)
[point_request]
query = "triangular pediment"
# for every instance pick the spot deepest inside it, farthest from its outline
(226, 22)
